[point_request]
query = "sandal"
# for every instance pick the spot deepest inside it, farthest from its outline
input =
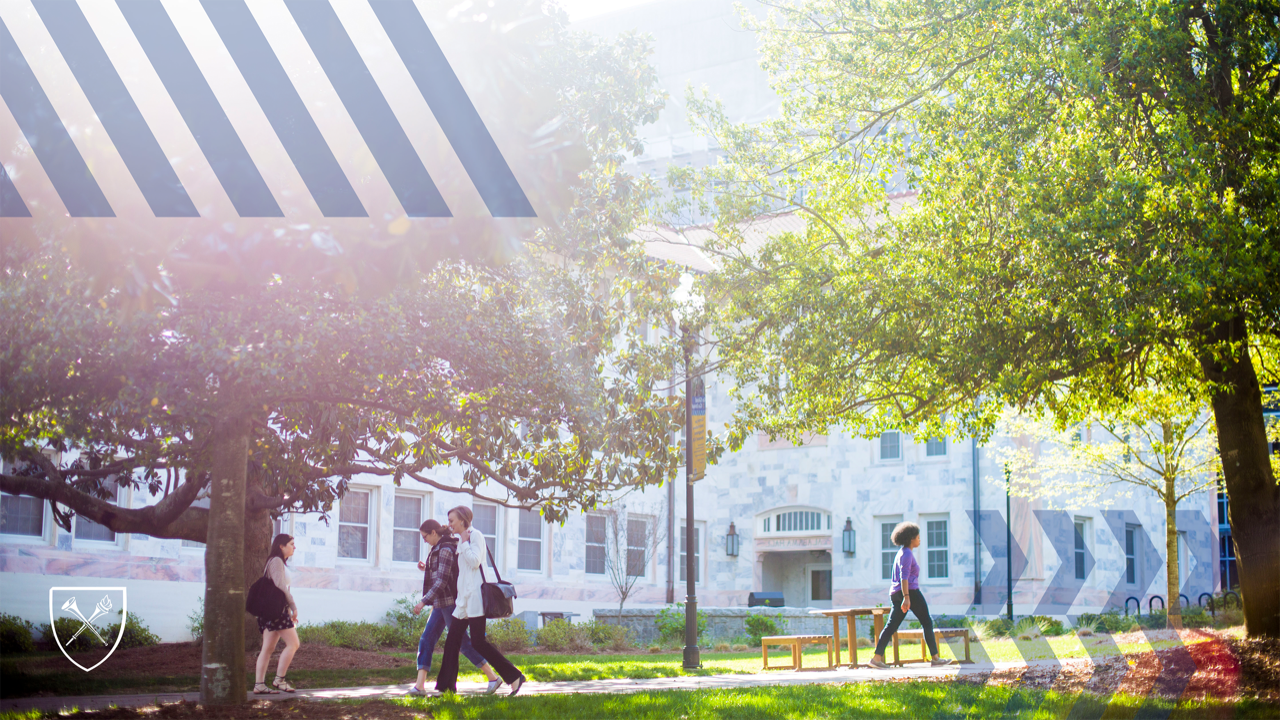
(283, 684)
(262, 689)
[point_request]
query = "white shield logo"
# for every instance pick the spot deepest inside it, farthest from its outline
(90, 612)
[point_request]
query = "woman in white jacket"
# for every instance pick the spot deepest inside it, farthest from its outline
(468, 612)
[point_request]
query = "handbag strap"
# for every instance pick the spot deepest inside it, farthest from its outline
(491, 562)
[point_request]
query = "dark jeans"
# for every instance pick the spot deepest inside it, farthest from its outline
(447, 680)
(919, 608)
(439, 621)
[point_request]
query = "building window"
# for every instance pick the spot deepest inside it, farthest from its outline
(485, 519)
(406, 540)
(890, 446)
(21, 515)
(939, 555)
(354, 525)
(1130, 555)
(799, 521)
(595, 544)
(203, 502)
(1081, 533)
(86, 529)
(637, 544)
(697, 553)
(530, 551)
(768, 524)
(935, 447)
(888, 551)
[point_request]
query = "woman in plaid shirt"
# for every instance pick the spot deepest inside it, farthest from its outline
(439, 591)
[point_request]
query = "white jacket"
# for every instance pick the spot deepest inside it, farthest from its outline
(471, 555)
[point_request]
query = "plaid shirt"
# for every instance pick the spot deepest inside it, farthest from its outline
(440, 585)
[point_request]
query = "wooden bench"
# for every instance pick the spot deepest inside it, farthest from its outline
(795, 641)
(938, 633)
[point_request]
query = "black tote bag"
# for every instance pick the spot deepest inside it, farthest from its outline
(496, 596)
(264, 599)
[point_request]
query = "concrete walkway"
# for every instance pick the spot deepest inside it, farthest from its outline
(685, 682)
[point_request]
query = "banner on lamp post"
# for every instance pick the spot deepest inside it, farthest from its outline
(698, 430)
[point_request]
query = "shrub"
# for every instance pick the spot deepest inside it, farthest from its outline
(341, 633)
(993, 628)
(136, 633)
(66, 628)
(508, 635)
(739, 647)
(1109, 622)
(195, 621)
(564, 636)
(16, 635)
(1027, 628)
(760, 625)
(1049, 626)
(722, 647)
(670, 622)
(607, 636)
(951, 621)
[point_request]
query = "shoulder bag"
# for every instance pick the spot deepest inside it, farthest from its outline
(265, 599)
(496, 596)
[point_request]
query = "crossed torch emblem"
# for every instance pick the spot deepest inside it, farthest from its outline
(103, 607)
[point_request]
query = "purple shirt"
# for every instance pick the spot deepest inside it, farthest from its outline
(905, 566)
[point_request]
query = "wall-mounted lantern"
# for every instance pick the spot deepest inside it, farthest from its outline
(731, 542)
(850, 536)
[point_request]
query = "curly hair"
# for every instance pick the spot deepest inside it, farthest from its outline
(905, 533)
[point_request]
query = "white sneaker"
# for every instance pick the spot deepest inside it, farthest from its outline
(493, 686)
(941, 661)
(879, 664)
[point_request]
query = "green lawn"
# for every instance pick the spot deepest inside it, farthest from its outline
(853, 700)
(543, 668)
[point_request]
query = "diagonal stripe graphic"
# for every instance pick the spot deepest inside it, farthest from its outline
(368, 108)
(115, 108)
(1201, 543)
(199, 108)
(456, 114)
(1064, 586)
(46, 134)
(11, 204)
(284, 108)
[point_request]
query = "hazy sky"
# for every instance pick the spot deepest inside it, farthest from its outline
(579, 9)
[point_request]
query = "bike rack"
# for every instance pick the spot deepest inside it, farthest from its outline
(1233, 594)
(1186, 601)
(1137, 606)
(1200, 600)
(1152, 599)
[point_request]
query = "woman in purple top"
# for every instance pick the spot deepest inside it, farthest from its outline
(905, 595)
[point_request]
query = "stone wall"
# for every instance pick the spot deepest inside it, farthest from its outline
(728, 623)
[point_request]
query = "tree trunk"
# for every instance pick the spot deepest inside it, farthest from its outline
(1254, 507)
(257, 545)
(1172, 580)
(222, 671)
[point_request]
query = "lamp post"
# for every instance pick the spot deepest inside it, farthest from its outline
(692, 657)
(1008, 539)
(731, 541)
(849, 538)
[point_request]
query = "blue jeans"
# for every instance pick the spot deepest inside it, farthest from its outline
(440, 620)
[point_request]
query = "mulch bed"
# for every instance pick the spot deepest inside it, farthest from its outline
(183, 659)
(271, 710)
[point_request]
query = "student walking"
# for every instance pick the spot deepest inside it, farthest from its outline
(439, 591)
(904, 595)
(469, 611)
(280, 628)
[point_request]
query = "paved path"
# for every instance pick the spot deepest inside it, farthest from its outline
(685, 682)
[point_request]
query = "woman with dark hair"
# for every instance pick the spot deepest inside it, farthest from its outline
(439, 591)
(468, 612)
(905, 595)
(281, 628)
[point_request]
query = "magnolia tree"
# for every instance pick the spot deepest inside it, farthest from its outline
(266, 375)
(1076, 189)
(1160, 441)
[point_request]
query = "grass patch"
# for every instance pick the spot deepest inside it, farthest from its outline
(860, 700)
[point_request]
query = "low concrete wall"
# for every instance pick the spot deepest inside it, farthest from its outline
(728, 623)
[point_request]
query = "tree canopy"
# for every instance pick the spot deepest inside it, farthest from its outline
(1014, 202)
